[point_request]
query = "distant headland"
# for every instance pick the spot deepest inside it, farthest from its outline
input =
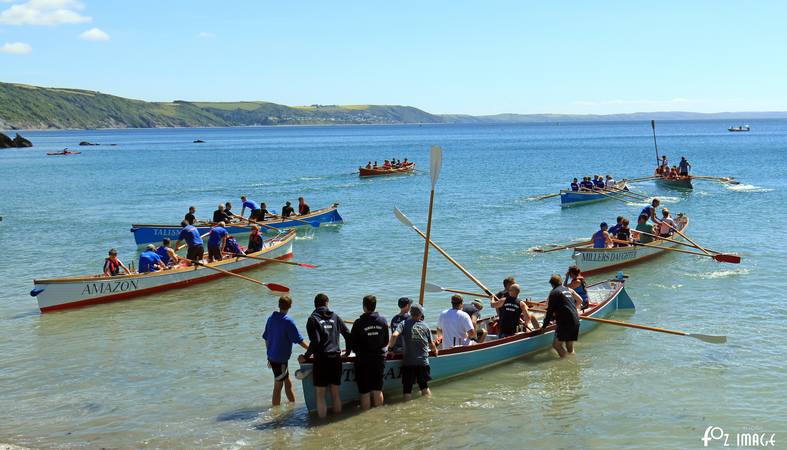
(25, 107)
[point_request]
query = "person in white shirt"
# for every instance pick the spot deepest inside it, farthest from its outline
(666, 224)
(454, 327)
(610, 183)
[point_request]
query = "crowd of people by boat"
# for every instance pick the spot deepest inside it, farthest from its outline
(675, 172)
(388, 164)
(649, 227)
(373, 339)
(598, 182)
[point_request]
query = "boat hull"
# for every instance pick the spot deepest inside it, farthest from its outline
(74, 292)
(682, 184)
(153, 234)
(364, 172)
(597, 260)
(570, 199)
(463, 360)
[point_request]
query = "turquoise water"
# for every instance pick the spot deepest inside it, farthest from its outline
(187, 368)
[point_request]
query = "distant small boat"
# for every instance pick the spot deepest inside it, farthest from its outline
(364, 172)
(739, 128)
(64, 152)
(199, 141)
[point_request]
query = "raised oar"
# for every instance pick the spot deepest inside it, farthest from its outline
(257, 223)
(274, 260)
(405, 220)
(272, 286)
(721, 257)
(435, 164)
(703, 337)
(561, 247)
(184, 244)
(431, 287)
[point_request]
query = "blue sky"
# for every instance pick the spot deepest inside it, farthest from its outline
(443, 56)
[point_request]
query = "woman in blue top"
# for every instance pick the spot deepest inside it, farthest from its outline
(601, 238)
(575, 280)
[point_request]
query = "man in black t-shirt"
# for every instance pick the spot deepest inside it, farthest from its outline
(287, 210)
(369, 337)
(562, 305)
(190, 218)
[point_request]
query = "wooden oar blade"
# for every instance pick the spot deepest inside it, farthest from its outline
(308, 266)
(277, 287)
(402, 218)
(723, 257)
(709, 338)
(430, 287)
(435, 163)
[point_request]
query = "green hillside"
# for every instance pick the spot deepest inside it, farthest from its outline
(31, 107)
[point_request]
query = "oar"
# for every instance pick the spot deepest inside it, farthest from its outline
(624, 200)
(405, 220)
(728, 180)
(561, 247)
(648, 178)
(184, 244)
(257, 223)
(653, 125)
(544, 197)
(688, 239)
(272, 286)
(435, 164)
(313, 224)
(274, 260)
(721, 257)
(703, 337)
(672, 240)
(431, 287)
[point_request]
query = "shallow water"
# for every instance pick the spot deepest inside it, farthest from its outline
(187, 368)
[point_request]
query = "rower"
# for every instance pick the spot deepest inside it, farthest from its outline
(613, 231)
(586, 184)
(562, 305)
(263, 212)
(150, 261)
(510, 310)
(404, 314)
(216, 241)
(601, 238)
(369, 165)
(303, 207)
(232, 247)
(189, 217)
(684, 167)
(253, 206)
(644, 227)
(598, 182)
(610, 183)
(112, 264)
(220, 214)
(405, 162)
(650, 210)
(574, 185)
(454, 326)
(375, 165)
(369, 337)
(473, 309)
(575, 280)
(190, 234)
(666, 224)
(386, 164)
(167, 254)
(287, 210)
(623, 236)
(228, 210)
(255, 240)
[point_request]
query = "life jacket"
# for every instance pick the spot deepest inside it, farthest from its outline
(164, 254)
(255, 243)
(599, 241)
(113, 266)
(509, 315)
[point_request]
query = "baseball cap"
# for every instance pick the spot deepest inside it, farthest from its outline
(404, 301)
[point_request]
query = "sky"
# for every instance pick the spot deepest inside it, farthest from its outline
(469, 57)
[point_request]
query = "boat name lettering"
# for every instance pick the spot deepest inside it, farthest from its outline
(609, 256)
(110, 287)
(165, 232)
(392, 373)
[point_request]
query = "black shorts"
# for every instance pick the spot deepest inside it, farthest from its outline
(280, 371)
(327, 371)
(255, 214)
(195, 252)
(567, 331)
(214, 253)
(411, 374)
(369, 373)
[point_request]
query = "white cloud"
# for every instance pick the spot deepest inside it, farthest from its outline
(16, 48)
(206, 35)
(44, 12)
(94, 34)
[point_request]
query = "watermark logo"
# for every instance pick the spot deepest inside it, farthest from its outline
(749, 439)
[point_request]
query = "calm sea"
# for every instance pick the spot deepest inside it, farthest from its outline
(187, 368)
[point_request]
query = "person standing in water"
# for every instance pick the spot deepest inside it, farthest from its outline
(562, 305)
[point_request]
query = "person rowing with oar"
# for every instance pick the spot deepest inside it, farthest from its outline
(167, 254)
(574, 186)
(190, 234)
(253, 206)
(232, 247)
(190, 217)
(255, 240)
(562, 305)
(112, 264)
(220, 214)
(650, 211)
(216, 241)
(303, 207)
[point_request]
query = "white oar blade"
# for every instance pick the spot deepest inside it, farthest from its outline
(708, 338)
(435, 163)
(402, 218)
(430, 287)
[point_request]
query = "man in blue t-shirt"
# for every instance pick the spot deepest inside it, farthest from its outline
(190, 234)
(253, 206)
(150, 261)
(280, 333)
(216, 240)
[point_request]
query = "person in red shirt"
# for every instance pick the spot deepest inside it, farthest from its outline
(303, 207)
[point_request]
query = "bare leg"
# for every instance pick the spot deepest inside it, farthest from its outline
(365, 401)
(534, 322)
(426, 392)
(277, 385)
(558, 346)
(288, 389)
(322, 408)
(335, 399)
(570, 346)
(377, 398)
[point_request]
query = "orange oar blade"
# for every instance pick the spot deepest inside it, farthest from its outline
(722, 257)
(310, 266)
(277, 287)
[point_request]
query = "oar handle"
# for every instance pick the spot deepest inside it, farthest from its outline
(256, 223)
